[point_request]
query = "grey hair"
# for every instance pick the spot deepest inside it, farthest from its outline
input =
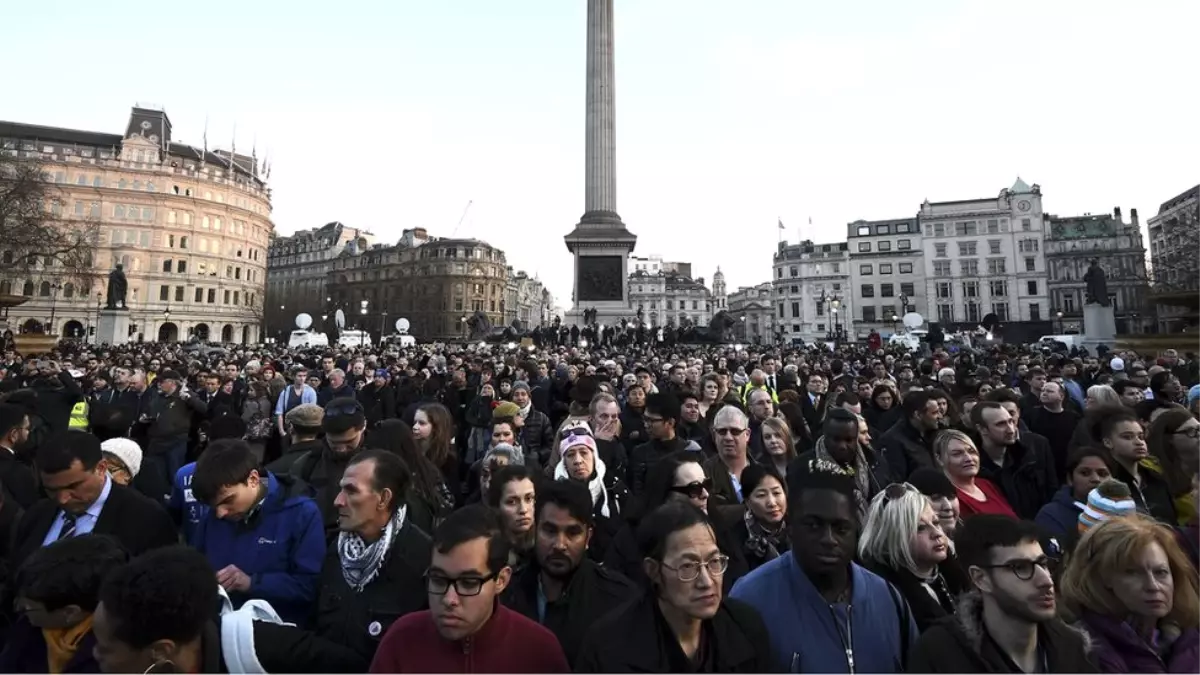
(506, 450)
(339, 372)
(1104, 394)
(889, 528)
(730, 413)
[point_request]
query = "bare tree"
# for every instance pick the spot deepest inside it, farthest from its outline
(34, 237)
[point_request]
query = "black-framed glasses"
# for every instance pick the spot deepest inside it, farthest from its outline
(437, 584)
(1021, 568)
(695, 489)
(690, 571)
(729, 431)
(650, 419)
(344, 409)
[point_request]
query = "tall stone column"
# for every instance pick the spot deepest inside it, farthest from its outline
(601, 151)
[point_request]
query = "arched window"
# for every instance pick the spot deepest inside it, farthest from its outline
(150, 186)
(69, 290)
(137, 185)
(27, 290)
(44, 289)
(121, 184)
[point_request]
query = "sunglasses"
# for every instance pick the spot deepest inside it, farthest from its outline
(694, 490)
(346, 409)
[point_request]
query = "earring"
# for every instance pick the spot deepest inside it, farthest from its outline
(164, 666)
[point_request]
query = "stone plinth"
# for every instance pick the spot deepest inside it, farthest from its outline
(112, 327)
(1099, 326)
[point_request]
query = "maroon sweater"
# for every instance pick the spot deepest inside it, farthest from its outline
(507, 643)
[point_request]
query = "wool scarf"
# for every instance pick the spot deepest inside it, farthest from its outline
(595, 484)
(361, 561)
(860, 471)
(763, 542)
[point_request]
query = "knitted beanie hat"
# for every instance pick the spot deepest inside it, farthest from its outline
(126, 450)
(1110, 499)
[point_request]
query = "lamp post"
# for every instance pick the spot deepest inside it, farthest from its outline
(1060, 322)
(54, 289)
(895, 321)
(834, 305)
(463, 322)
(166, 318)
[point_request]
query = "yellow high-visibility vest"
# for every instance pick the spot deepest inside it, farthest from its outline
(79, 416)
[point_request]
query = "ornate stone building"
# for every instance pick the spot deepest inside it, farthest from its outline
(524, 300)
(434, 283)
(191, 227)
(666, 293)
(755, 312)
(298, 268)
(886, 265)
(1175, 259)
(1072, 243)
(812, 298)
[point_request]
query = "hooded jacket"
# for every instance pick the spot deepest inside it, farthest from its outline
(1060, 517)
(280, 547)
(959, 644)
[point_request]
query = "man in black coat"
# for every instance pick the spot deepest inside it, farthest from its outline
(908, 445)
(564, 590)
(168, 421)
(355, 608)
(83, 499)
(1020, 464)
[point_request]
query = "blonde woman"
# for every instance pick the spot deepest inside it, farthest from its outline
(959, 458)
(1130, 586)
(778, 444)
(903, 542)
(1100, 396)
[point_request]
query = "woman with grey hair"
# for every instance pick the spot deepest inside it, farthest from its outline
(902, 542)
(497, 457)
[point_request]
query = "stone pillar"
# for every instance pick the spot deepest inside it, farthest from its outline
(601, 147)
(112, 327)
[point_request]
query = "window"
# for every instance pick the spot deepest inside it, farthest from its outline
(864, 247)
(187, 217)
(1030, 264)
(204, 222)
(939, 229)
(868, 290)
(905, 268)
(904, 245)
(993, 226)
(837, 268)
(868, 313)
(996, 266)
(864, 230)
(167, 266)
(970, 289)
(966, 228)
(1035, 311)
(883, 229)
(908, 290)
(94, 210)
(941, 268)
(945, 313)
(1068, 303)
(885, 246)
(887, 291)
(170, 217)
(235, 297)
(79, 208)
(81, 179)
(820, 308)
(795, 310)
(969, 268)
(179, 294)
(1028, 246)
(966, 248)
(1026, 224)
(794, 271)
(866, 270)
(794, 289)
(144, 239)
(121, 184)
(212, 296)
(885, 268)
(216, 223)
(150, 186)
(181, 267)
(226, 296)
(973, 312)
(1000, 309)
(97, 181)
(999, 289)
(147, 213)
(994, 246)
(1031, 287)
(164, 293)
(939, 250)
(780, 309)
(119, 212)
(183, 242)
(199, 295)
(137, 184)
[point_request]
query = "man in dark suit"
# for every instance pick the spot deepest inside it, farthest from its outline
(83, 499)
(812, 402)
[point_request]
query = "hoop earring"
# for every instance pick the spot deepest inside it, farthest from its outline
(167, 666)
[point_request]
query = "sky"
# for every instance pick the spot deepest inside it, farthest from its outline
(731, 115)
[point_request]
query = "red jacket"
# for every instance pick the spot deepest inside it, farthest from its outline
(507, 643)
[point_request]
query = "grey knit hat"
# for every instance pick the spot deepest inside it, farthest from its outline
(520, 384)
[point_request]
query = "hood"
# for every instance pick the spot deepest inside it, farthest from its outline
(968, 619)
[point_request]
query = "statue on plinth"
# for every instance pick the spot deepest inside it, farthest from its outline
(1097, 285)
(117, 287)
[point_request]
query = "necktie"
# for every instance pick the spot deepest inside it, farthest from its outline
(68, 527)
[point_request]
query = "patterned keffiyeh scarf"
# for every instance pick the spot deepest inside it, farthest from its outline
(762, 542)
(361, 562)
(862, 480)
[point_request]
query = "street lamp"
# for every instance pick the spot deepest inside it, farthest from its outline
(1060, 322)
(895, 320)
(54, 288)
(463, 322)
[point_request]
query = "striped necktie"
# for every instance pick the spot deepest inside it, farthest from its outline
(68, 527)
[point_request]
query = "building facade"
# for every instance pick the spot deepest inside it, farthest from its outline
(191, 228)
(1072, 243)
(298, 268)
(986, 257)
(754, 309)
(812, 296)
(720, 302)
(887, 273)
(666, 294)
(1174, 243)
(524, 299)
(435, 283)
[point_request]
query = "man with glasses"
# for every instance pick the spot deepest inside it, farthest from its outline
(465, 629)
(731, 435)
(345, 425)
(660, 416)
(826, 613)
(1009, 624)
(564, 590)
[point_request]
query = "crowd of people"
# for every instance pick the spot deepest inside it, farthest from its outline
(598, 507)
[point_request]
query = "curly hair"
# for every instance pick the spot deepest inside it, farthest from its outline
(167, 594)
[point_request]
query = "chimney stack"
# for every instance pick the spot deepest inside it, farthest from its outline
(1133, 215)
(1117, 213)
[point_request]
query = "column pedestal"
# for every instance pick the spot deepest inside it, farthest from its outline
(1099, 326)
(112, 327)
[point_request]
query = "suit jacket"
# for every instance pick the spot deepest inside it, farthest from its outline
(139, 523)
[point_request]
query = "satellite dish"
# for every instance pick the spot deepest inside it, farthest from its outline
(303, 321)
(340, 319)
(402, 326)
(912, 320)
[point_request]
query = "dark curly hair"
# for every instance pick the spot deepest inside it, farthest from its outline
(167, 594)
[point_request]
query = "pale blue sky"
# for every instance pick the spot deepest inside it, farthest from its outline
(389, 115)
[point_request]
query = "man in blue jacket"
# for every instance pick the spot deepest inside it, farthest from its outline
(263, 541)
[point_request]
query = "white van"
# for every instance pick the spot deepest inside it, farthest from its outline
(300, 339)
(354, 338)
(1067, 340)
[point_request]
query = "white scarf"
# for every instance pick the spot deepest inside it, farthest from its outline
(526, 409)
(595, 485)
(361, 562)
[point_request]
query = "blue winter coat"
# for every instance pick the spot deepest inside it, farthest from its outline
(183, 505)
(1060, 517)
(282, 550)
